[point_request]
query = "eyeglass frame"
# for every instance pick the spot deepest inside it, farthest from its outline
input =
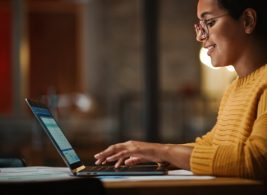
(202, 28)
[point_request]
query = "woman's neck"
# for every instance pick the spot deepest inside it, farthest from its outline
(253, 58)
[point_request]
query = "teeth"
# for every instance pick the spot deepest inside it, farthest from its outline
(210, 47)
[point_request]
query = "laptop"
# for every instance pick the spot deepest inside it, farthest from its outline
(71, 158)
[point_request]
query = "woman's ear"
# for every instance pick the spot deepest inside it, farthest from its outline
(249, 20)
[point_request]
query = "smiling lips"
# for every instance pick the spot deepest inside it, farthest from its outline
(210, 49)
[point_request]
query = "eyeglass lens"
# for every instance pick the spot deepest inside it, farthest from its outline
(201, 31)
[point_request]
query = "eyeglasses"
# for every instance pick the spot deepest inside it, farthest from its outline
(202, 28)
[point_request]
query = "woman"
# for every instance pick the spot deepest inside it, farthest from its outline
(234, 32)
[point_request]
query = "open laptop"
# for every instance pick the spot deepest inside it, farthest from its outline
(70, 157)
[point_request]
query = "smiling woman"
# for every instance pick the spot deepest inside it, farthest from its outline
(236, 146)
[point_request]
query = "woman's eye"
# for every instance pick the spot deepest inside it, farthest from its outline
(210, 23)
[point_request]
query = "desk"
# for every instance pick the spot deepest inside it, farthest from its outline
(158, 186)
(217, 186)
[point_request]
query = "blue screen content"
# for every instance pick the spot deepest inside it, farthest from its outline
(57, 134)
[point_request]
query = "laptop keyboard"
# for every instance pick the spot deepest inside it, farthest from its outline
(106, 168)
(122, 168)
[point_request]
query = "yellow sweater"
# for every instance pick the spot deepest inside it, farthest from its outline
(237, 144)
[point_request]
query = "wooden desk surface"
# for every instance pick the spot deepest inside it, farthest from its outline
(218, 186)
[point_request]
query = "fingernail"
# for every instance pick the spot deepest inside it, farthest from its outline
(97, 162)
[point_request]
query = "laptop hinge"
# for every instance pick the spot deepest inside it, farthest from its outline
(78, 169)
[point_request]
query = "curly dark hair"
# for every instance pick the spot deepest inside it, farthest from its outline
(236, 8)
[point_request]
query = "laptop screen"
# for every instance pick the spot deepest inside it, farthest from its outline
(51, 127)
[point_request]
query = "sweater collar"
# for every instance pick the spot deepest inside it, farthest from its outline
(252, 76)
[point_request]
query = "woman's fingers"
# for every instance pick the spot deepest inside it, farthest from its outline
(134, 160)
(108, 152)
(118, 163)
(123, 154)
(112, 153)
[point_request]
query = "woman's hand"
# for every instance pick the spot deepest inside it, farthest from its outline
(130, 153)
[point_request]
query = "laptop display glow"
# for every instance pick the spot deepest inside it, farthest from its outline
(64, 148)
(51, 127)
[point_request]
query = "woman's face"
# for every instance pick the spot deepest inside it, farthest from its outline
(225, 40)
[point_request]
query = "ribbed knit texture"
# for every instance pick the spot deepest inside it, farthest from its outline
(237, 144)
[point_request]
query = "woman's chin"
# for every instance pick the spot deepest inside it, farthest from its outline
(217, 64)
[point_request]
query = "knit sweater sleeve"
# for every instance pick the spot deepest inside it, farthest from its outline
(204, 140)
(247, 159)
(207, 138)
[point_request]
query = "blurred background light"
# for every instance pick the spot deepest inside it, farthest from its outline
(205, 60)
(83, 102)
